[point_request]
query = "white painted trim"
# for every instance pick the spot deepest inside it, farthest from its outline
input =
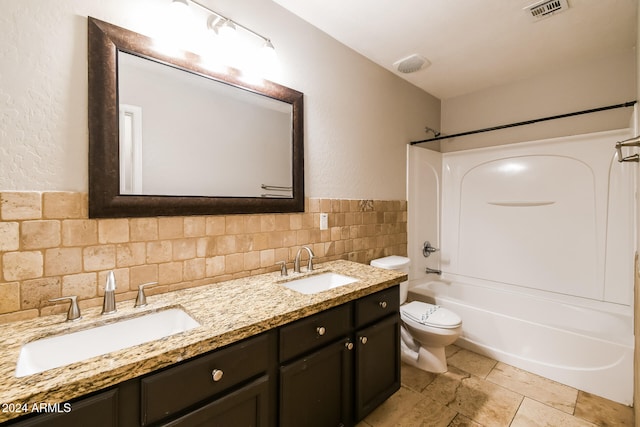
(130, 149)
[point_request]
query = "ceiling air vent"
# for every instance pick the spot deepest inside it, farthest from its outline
(546, 8)
(411, 64)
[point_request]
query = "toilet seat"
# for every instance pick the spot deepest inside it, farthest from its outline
(430, 315)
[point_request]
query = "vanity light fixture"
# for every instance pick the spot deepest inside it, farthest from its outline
(222, 27)
(268, 49)
(226, 27)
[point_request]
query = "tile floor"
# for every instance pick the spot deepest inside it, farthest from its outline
(478, 391)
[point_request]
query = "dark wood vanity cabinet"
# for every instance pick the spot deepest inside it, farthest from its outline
(316, 370)
(329, 369)
(339, 365)
(231, 386)
(377, 350)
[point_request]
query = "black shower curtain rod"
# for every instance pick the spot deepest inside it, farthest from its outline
(528, 122)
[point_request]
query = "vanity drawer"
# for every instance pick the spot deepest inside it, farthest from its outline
(315, 331)
(169, 392)
(376, 306)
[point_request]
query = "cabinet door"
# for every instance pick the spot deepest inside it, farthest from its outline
(377, 364)
(100, 410)
(247, 407)
(316, 390)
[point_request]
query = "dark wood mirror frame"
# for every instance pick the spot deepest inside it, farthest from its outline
(105, 200)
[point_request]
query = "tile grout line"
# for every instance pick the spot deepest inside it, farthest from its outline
(515, 414)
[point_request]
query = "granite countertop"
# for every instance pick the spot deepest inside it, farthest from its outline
(227, 312)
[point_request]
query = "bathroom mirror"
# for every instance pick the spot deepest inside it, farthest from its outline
(169, 136)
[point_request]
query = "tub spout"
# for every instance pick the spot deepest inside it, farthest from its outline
(433, 271)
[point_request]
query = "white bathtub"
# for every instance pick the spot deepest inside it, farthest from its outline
(537, 241)
(582, 344)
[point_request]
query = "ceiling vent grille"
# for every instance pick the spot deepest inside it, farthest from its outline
(546, 8)
(411, 64)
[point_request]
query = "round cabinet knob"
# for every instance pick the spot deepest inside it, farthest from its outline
(383, 304)
(349, 345)
(321, 330)
(217, 374)
(363, 340)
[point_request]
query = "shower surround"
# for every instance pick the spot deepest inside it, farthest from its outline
(537, 253)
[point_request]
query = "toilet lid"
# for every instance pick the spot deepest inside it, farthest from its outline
(430, 315)
(392, 262)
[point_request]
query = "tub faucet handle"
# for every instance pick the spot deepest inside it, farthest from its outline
(427, 249)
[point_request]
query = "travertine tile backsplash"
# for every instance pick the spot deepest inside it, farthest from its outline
(49, 248)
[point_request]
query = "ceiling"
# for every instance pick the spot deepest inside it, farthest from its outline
(473, 44)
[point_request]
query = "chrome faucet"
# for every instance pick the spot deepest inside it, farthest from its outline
(296, 262)
(109, 304)
(74, 310)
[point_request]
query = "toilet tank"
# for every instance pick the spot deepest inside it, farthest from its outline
(395, 262)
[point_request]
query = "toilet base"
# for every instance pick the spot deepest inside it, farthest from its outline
(430, 359)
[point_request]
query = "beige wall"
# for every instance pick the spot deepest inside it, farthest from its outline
(358, 116)
(609, 81)
(358, 120)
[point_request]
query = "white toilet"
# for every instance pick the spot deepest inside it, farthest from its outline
(426, 328)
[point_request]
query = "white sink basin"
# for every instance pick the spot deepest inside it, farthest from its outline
(319, 282)
(61, 350)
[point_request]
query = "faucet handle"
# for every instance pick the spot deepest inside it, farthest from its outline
(283, 268)
(141, 300)
(74, 309)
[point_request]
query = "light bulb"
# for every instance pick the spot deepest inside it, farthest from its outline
(180, 8)
(227, 31)
(269, 61)
(181, 22)
(268, 52)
